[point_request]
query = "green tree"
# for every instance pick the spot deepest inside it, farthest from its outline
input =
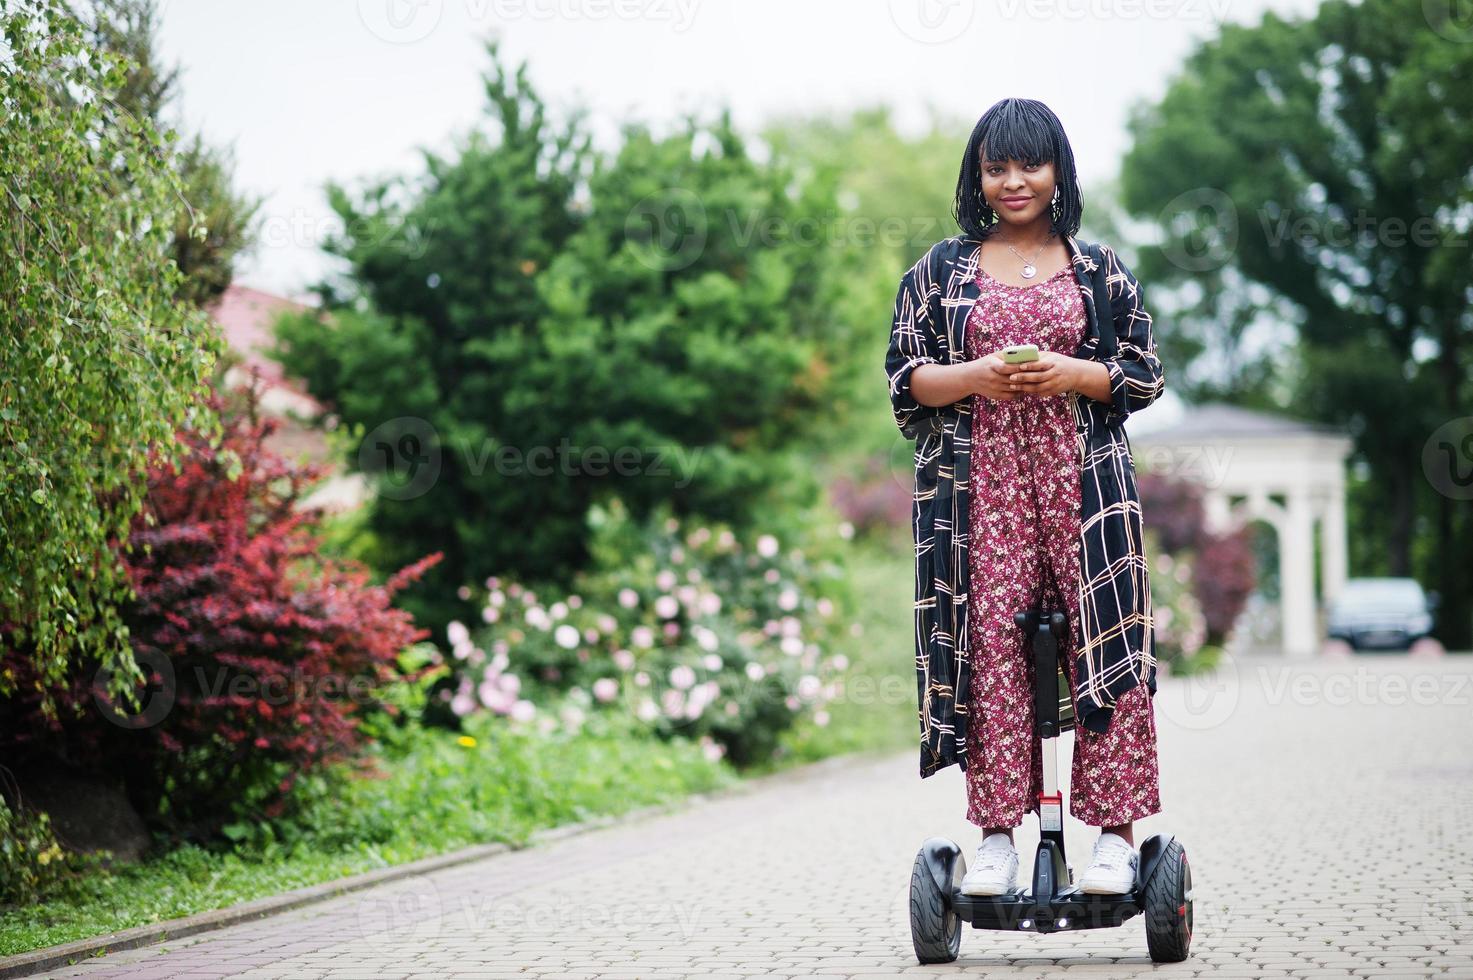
(99, 364)
(1314, 173)
(431, 328)
(691, 315)
(652, 324)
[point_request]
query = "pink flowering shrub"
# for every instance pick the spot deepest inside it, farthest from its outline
(1181, 627)
(685, 628)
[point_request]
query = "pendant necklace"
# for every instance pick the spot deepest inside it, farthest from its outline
(1029, 269)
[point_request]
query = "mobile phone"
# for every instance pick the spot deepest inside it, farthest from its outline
(1018, 353)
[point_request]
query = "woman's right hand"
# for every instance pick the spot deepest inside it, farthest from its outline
(991, 378)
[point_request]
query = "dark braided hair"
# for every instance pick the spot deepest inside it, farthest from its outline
(1017, 129)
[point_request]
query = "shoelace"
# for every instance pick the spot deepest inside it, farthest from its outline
(1113, 853)
(994, 857)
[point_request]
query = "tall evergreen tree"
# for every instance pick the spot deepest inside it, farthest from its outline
(543, 333)
(1315, 173)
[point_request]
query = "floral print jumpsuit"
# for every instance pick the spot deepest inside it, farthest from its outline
(1025, 510)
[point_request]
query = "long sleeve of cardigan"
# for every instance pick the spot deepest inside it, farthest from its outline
(1136, 376)
(914, 340)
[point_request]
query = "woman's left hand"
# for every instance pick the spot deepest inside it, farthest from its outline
(1052, 374)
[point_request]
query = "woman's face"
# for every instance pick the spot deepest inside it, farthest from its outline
(1018, 191)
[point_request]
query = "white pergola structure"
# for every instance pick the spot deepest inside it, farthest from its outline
(1287, 473)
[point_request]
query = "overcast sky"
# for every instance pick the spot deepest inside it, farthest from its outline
(311, 90)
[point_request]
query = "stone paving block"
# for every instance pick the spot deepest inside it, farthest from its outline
(1326, 839)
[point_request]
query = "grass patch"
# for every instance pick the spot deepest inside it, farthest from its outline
(439, 795)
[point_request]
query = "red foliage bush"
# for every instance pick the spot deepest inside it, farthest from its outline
(1226, 576)
(261, 653)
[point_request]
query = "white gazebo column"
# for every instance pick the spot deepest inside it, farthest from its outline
(1216, 513)
(1296, 577)
(1334, 567)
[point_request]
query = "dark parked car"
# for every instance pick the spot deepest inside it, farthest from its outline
(1381, 613)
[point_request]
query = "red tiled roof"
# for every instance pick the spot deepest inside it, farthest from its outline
(245, 315)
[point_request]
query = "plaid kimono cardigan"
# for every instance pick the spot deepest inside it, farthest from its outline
(931, 308)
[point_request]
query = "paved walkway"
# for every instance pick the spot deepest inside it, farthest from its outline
(1327, 810)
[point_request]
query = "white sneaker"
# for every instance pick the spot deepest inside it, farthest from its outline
(1112, 870)
(994, 870)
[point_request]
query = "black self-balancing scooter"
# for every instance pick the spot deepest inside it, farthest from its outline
(1163, 884)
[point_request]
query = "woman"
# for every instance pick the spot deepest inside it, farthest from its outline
(1025, 492)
